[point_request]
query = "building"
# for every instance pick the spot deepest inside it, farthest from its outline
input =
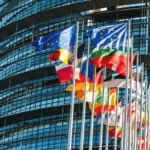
(34, 107)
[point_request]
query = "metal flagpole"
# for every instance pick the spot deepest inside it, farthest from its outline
(130, 102)
(146, 113)
(141, 106)
(148, 97)
(148, 122)
(101, 122)
(106, 145)
(84, 102)
(73, 95)
(116, 119)
(135, 118)
(92, 114)
(126, 91)
(130, 113)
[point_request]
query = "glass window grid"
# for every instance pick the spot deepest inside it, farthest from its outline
(31, 8)
(54, 131)
(29, 100)
(25, 64)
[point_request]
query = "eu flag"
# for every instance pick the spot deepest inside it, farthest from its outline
(112, 36)
(63, 38)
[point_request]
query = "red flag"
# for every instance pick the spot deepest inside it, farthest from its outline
(64, 72)
(112, 59)
(112, 131)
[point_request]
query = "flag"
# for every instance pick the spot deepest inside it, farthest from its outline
(81, 86)
(112, 131)
(83, 70)
(140, 88)
(117, 80)
(144, 118)
(88, 97)
(111, 59)
(80, 89)
(65, 71)
(63, 38)
(120, 82)
(91, 91)
(111, 98)
(61, 41)
(91, 76)
(67, 42)
(112, 36)
(130, 111)
(62, 54)
(140, 143)
(113, 118)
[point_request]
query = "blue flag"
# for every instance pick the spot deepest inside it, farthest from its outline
(63, 38)
(113, 36)
(90, 69)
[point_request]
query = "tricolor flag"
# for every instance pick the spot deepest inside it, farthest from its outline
(83, 70)
(80, 89)
(91, 76)
(65, 71)
(112, 59)
(112, 36)
(110, 95)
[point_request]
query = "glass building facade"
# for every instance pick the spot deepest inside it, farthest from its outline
(34, 106)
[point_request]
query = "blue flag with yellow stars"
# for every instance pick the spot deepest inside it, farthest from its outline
(63, 38)
(112, 36)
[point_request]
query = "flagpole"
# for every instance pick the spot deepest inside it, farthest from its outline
(73, 95)
(84, 102)
(147, 45)
(135, 118)
(141, 106)
(126, 91)
(148, 122)
(148, 111)
(115, 143)
(106, 146)
(92, 114)
(146, 125)
(130, 113)
(130, 102)
(101, 123)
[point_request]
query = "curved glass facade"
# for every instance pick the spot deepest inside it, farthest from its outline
(34, 106)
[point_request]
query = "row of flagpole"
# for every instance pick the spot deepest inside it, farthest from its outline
(128, 133)
(125, 139)
(105, 42)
